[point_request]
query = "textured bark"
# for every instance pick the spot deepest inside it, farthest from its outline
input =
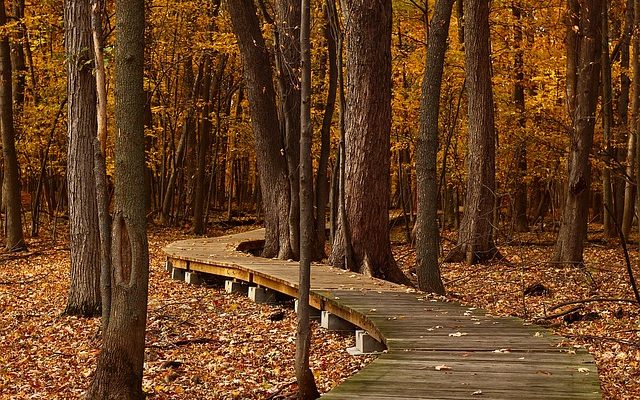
(367, 143)
(520, 205)
(623, 112)
(11, 179)
(120, 364)
(204, 133)
(322, 181)
(630, 190)
(288, 23)
(475, 238)
(17, 55)
(583, 48)
(427, 233)
(272, 165)
(84, 291)
(607, 124)
(307, 389)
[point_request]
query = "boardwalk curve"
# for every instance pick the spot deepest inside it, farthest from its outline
(435, 349)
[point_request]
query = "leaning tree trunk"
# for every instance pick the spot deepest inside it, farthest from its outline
(583, 69)
(84, 291)
(475, 239)
(120, 364)
(607, 125)
(272, 166)
(11, 181)
(367, 143)
(427, 233)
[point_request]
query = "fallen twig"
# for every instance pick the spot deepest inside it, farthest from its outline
(592, 300)
(561, 314)
(280, 389)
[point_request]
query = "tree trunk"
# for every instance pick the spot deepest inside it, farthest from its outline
(11, 179)
(623, 111)
(288, 23)
(583, 69)
(84, 291)
(204, 133)
(322, 181)
(307, 389)
(607, 125)
(475, 238)
(272, 165)
(17, 55)
(520, 206)
(367, 143)
(120, 364)
(427, 233)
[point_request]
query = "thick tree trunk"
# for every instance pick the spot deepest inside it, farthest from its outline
(583, 50)
(288, 23)
(427, 232)
(272, 165)
(367, 142)
(11, 179)
(120, 364)
(475, 238)
(84, 291)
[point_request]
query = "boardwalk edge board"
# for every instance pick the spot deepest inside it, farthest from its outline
(435, 349)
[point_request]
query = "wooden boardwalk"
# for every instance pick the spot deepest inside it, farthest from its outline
(435, 349)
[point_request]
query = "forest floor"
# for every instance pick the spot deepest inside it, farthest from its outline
(204, 343)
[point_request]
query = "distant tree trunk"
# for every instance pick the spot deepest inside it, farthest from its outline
(623, 111)
(84, 291)
(120, 364)
(630, 189)
(307, 389)
(607, 125)
(322, 181)
(272, 165)
(427, 232)
(17, 55)
(475, 238)
(520, 206)
(367, 142)
(11, 179)
(204, 133)
(288, 23)
(583, 69)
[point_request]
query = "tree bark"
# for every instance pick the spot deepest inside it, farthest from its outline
(272, 165)
(427, 232)
(288, 24)
(607, 125)
(84, 291)
(307, 389)
(367, 143)
(520, 206)
(11, 179)
(322, 181)
(17, 55)
(583, 51)
(120, 364)
(475, 238)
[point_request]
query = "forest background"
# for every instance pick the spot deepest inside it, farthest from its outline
(201, 161)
